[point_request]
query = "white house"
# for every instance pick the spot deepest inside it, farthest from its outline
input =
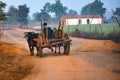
(81, 19)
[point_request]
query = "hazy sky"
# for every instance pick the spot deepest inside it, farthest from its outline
(36, 5)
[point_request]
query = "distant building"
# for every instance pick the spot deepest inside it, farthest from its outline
(81, 19)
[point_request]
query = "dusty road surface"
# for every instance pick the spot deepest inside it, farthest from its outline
(88, 60)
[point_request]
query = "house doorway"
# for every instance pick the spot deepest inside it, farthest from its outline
(79, 21)
(88, 21)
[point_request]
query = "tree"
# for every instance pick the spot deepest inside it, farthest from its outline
(36, 16)
(2, 13)
(72, 12)
(2, 17)
(93, 8)
(12, 14)
(47, 7)
(22, 15)
(58, 9)
(117, 12)
(116, 15)
(44, 13)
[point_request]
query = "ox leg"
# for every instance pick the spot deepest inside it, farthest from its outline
(50, 47)
(37, 50)
(59, 50)
(55, 49)
(31, 50)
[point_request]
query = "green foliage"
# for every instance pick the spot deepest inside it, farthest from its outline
(48, 8)
(95, 7)
(72, 12)
(44, 14)
(96, 34)
(117, 12)
(106, 28)
(22, 15)
(36, 16)
(58, 9)
(2, 13)
(12, 14)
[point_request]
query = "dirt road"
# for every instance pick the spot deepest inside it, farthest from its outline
(79, 65)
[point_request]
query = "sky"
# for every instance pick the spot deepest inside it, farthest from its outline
(36, 5)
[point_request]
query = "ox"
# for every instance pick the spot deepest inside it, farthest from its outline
(31, 43)
(31, 36)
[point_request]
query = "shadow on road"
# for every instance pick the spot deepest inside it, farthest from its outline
(116, 51)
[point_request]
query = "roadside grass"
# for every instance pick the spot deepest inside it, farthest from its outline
(109, 31)
(103, 28)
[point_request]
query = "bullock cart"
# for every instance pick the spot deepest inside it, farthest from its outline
(60, 39)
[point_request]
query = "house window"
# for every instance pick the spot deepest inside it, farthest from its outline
(79, 21)
(88, 21)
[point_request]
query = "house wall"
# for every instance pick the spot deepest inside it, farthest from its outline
(83, 21)
(71, 21)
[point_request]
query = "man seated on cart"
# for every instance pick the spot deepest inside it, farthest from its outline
(48, 32)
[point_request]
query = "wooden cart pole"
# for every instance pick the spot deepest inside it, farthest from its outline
(40, 38)
(42, 33)
(46, 35)
(62, 30)
(59, 25)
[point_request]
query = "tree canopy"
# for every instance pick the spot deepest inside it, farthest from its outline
(44, 13)
(117, 12)
(58, 9)
(22, 15)
(36, 16)
(2, 13)
(72, 12)
(12, 14)
(116, 15)
(93, 8)
(48, 8)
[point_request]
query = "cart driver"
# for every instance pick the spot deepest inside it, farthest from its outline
(49, 31)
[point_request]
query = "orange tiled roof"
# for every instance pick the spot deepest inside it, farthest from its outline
(81, 16)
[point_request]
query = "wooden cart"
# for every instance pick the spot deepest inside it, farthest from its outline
(62, 40)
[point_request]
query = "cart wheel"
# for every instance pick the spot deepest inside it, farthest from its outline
(40, 52)
(67, 48)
